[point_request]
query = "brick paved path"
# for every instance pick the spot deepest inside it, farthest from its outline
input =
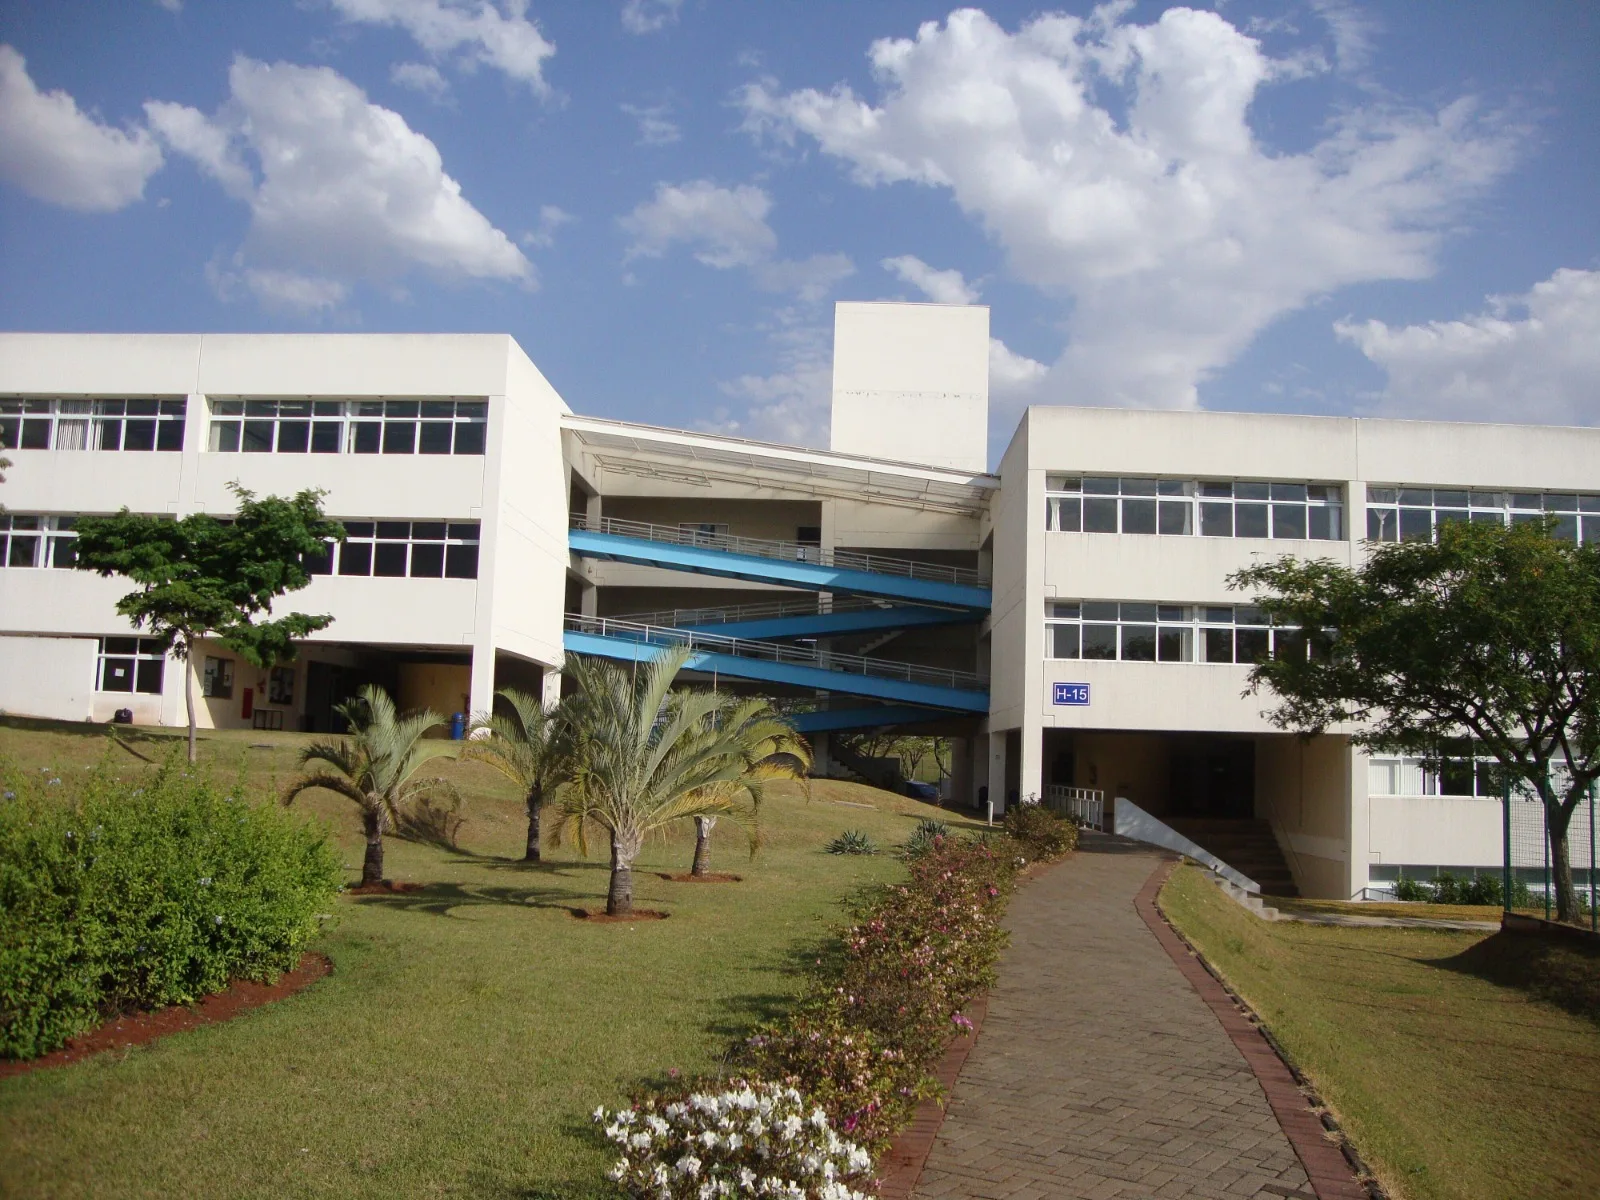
(1100, 1072)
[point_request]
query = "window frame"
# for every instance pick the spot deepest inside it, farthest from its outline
(336, 425)
(1393, 510)
(1191, 630)
(371, 541)
(1143, 505)
(145, 657)
(127, 423)
(50, 537)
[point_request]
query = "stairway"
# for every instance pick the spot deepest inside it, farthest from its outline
(1246, 846)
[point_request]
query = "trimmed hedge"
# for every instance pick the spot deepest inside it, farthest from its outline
(123, 894)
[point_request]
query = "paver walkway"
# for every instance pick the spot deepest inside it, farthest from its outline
(1100, 1072)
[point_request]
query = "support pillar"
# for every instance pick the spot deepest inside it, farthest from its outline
(997, 771)
(480, 691)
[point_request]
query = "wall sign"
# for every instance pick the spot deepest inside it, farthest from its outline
(1076, 694)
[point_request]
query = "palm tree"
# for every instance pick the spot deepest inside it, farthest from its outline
(703, 825)
(532, 747)
(374, 768)
(646, 756)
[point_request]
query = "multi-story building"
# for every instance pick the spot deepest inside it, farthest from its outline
(1066, 620)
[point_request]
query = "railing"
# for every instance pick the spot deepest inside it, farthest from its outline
(848, 560)
(724, 614)
(1086, 806)
(780, 652)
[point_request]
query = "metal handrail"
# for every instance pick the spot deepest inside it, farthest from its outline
(721, 614)
(849, 560)
(1085, 805)
(782, 652)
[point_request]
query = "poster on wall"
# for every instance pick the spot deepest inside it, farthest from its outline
(280, 687)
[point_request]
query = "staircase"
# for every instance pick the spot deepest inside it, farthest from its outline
(1246, 846)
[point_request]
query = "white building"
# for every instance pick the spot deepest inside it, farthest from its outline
(1067, 619)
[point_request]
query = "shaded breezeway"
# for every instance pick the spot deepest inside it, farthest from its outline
(1100, 1072)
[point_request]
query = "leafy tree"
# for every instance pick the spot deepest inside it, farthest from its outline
(204, 577)
(532, 747)
(374, 768)
(646, 756)
(1490, 633)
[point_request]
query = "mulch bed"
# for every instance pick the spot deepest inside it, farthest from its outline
(387, 887)
(599, 916)
(708, 877)
(137, 1029)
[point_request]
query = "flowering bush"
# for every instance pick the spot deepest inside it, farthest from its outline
(1046, 836)
(747, 1139)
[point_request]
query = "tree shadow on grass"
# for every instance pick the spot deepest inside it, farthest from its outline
(442, 899)
(1561, 971)
(735, 1016)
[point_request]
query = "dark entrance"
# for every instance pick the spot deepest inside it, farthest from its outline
(327, 684)
(1213, 778)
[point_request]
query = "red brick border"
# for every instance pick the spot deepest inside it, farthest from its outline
(1330, 1174)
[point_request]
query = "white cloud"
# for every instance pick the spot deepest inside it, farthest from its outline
(649, 16)
(171, 6)
(809, 279)
(793, 404)
(942, 287)
(551, 219)
(472, 32)
(1116, 165)
(421, 77)
(656, 127)
(1012, 375)
(728, 226)
(295, 292)
(1534, 357)
(1353, 31)
(57, 153)
(337, 186)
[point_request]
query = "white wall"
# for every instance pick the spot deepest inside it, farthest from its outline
(911, 382)
(48, 677)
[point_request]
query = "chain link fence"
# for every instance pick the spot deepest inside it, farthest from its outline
(1528, 873)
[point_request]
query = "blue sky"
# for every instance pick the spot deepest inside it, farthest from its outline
(1315, 206)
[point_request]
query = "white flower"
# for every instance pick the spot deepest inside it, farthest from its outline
(600, 1113)
(688, 1165)
(640, 1141)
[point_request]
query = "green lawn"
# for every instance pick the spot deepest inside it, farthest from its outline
(466, 1031)
(1450, 1085)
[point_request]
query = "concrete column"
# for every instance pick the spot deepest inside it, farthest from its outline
(820, 753)
(589, 599)
(963, 792)
(480, 692)
(1031, 775)
(1358, 814)
(997, 770)
(550, 688)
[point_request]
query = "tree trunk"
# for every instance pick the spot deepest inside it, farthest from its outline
(188, 690)
(372, 865)
(535, 803)
(702, 844)
(619, 898)
(1558, 817)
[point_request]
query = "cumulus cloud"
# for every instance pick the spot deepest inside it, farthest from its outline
(551, 218)
(728, 226)
(942, 287)
(338, 187)
(471, 33)
(57, 153)
(1533, 357)
(792, 405)
(1116, 165)
(421, 77)
(649, 16)
(656, 126)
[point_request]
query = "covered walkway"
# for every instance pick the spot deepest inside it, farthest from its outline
(1101, 1072)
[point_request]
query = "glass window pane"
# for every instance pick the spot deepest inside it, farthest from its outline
(1249, 614)
(63, 552)
(143, 408)
(1527, 500)
(394, 531)
(10, 432)
(169, 435)
(1591, 529)
(1100, 610)
(1416, 525)
(1560, 503)
(427, 559)
(1250, 491)
(1175, 644)
(1175, 612)
(399, 437)
(147, 677)
(461, 561)
(1566, 527)
(1218, 645)
(1250, 645)
(1064, 608)
(139, 435)
(464, 530)
(439, 409)
(257, 437)
(1488, 518)
(360, 529)
(369, 408)
(116, 675)
(224, 436)
(1063, 641)
(1138, 643)
(24, 551)
(1288, 491)
(365, 437)
(107, 435)
(227, 408)
(1419, 497)
(355, 558)
(1487, 500)
(1526, 518)
(320, 563)
(1322, 492)
(1138, 487)
(1175, 487)
(400, 408)
(1320, 519)
(1216, 489)
(109, 408)
(470, 437)
(327, 408)
(1381, 495)
(1066, 514)
(1138, 612)
(260, 408)
(476, 410)
(294, 437)
(1250, 520)
(1589, 503)
(1100, 516)
(1449, 499)
(427, 531)
(436, 437)
(1176, 517)
(121, 645)
(1138, 516)
(1289, 520)
(1382, 525)
(1101, 487)
(1445, 515)
(389, 560)
(36, 435)
(1100, 642)
(1063, 483)
(294, 408)
(325, 437)
(1216, 520)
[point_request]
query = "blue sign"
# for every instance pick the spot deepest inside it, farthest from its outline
(1072, 693)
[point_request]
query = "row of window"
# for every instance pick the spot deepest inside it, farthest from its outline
(258, 426)
(420, 549)
(1415, 514)
(37, 541)
(130, 664)
(349, 426)
(91, 424)
(1456, 773)
(1110, 631)
(1185, 508)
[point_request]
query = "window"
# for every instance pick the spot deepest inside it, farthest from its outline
(418, 549)
(348, 426)
(216, 681)
(1458, 771)
(1111, 630)
(1409, 514)
(83, 424)
(37, 541)
(1184, 508)
(130, 664)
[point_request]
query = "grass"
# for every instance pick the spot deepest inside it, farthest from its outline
(467, 1030)
(1381, 908)
(1451, 1085)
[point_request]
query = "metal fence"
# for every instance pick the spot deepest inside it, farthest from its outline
(1086, 806)
(1527, 873)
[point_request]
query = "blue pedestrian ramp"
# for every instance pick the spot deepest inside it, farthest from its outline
(785, 564)
(782, 620)
(801, 666)
(830, 720)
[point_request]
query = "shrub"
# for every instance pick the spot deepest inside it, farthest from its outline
(852, 841)
(1046, 836)
(925, 837)
(740, 1139)
(142, 893)
(1411, 890)
(1446, 888)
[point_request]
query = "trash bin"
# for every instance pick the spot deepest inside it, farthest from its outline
(458, 726)
(123, 716)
